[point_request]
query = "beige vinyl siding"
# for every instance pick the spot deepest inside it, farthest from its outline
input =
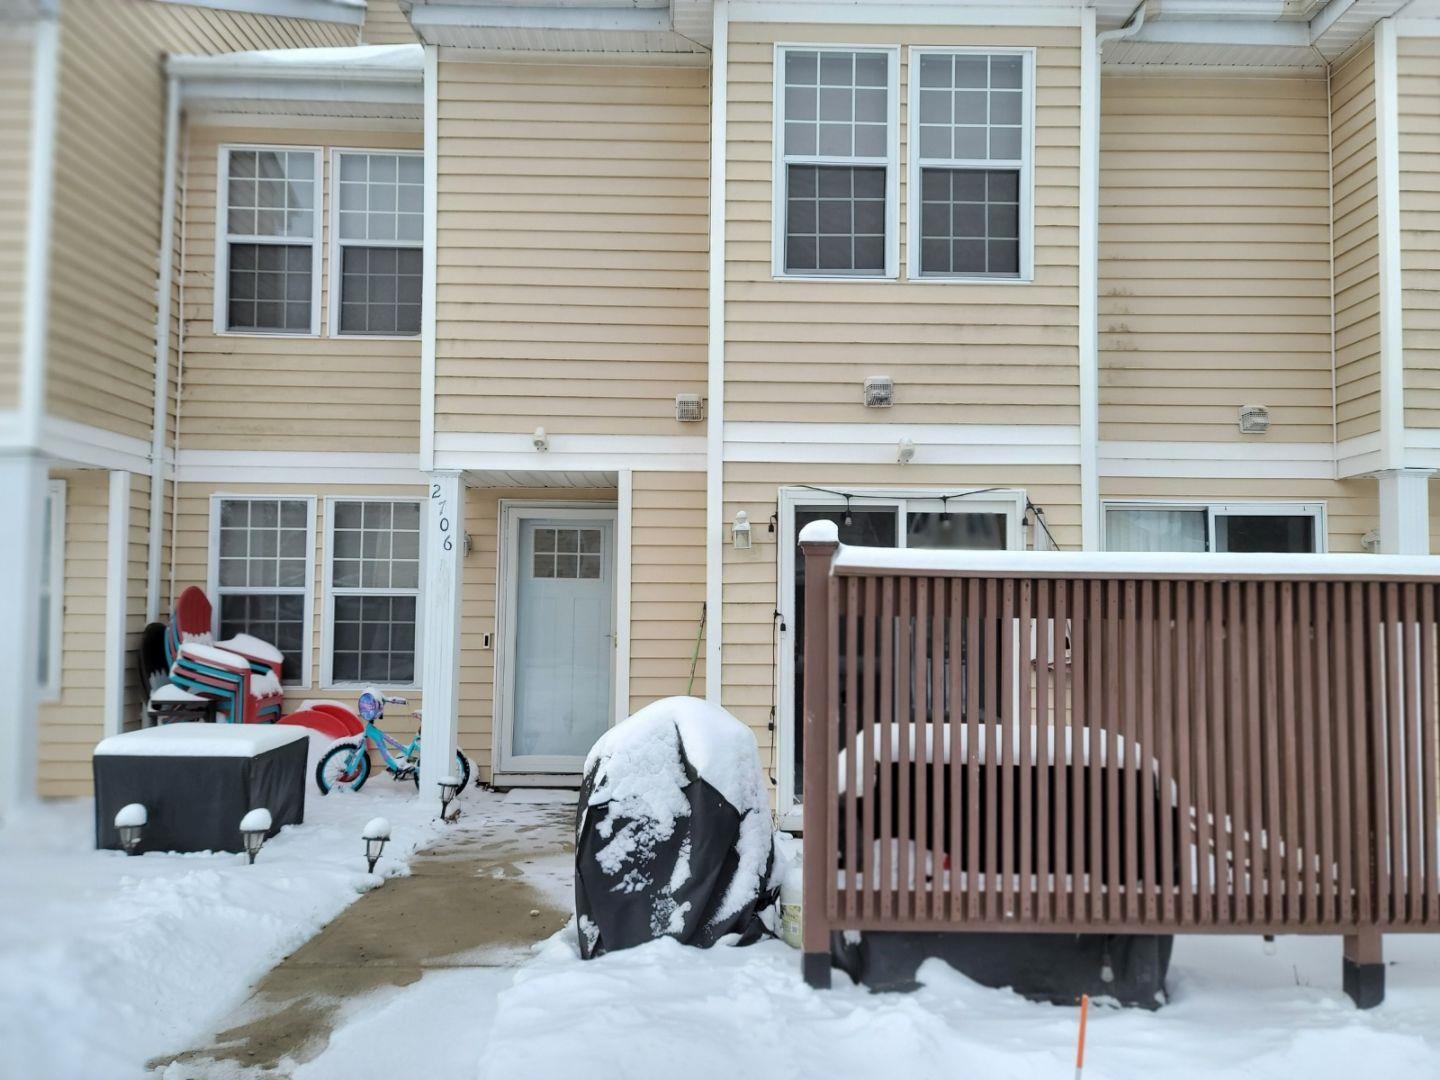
(189, 554)
(667, 575)
(751, 590)
(1357, 247)
(272, 392)
(110, 133)
(959, 352)
(72, 725)
(1419, 72)
(15, 78)
(385, 24)
(1214, 257)
(478, 609)
(1352, 507)
(573, 227)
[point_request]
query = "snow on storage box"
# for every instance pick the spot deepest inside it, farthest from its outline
(674, 837)
(196, 781)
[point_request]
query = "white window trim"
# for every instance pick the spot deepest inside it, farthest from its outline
(212, 573)
(336, 243)
(779, 177)
(327, 616)
(1027, 168)
(1271, 508)
(223, 240)
(50, 689)
(1009, 502)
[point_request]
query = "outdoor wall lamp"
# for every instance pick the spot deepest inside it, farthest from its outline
(377, 831)
(740, 531)
(449, 788)
(254, 827)
(130, 822)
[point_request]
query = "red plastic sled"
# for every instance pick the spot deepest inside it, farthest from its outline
(326, 723)
(352, 723)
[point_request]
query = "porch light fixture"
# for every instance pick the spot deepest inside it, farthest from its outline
(540, 440)
(1254, 419)
(449, 788)
(906, 451)
(130, 823)
(254, 827)
(740, 531)
(377, 831)
(879, 392)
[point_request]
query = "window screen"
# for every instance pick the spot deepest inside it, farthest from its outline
(375, 583)
(271, 225)
(262, 574)
(379, 233)
(835, 146)
(972, 148)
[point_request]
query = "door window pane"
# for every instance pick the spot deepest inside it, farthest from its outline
(1160, 529)
(1285, 533)
(956, 531)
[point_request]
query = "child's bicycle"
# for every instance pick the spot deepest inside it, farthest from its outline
(346, 766)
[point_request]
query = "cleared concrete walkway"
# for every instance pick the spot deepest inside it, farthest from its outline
(497, 884)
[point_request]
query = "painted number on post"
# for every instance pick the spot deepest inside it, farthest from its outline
(447, 534)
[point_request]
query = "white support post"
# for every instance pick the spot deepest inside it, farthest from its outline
(440, 663)
(22, 486)
(117, 590)
(1404, 511)
(715, 420)
(625, 505)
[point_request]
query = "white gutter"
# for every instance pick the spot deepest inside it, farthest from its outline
(35, 299)
(715, 418)
(163, 287)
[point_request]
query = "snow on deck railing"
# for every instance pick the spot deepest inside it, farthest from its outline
(1115, 564)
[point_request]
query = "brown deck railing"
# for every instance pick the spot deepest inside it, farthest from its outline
(1030, 745)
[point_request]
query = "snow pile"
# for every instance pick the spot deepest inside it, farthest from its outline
(265, 685)
(637, 770)
(257, 820)
(662, 1010)
(108, 961)
(200, 740)
(131, 815)
(171, 692)
(253, 647)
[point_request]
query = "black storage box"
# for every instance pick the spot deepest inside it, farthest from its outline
(196, 781)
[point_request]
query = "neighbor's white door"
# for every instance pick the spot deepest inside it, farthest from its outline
(561, 637)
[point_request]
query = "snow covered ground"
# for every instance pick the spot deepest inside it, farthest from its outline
(107, 961)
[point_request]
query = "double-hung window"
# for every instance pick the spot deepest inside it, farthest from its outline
(378, 225)
(373, 597)
(970, 153)
(1293, 528)
(52, 590)
(262, 552)
(836, 183)
(268, 259)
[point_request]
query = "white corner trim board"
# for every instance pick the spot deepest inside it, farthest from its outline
(35, 301)
(624, 560)
(1392, 303)
(430, 258)
(715, 432)
(1089, 299)
(160, 396)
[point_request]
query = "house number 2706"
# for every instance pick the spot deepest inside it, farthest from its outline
(447, 536)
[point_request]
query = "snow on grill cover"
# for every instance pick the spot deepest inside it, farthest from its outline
(673, 833)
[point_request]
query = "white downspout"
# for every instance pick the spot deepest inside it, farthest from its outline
(1093, 45)
(35, 300)
(715, 370)
(162, 349)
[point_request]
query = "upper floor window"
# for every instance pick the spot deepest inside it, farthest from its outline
(379, 229)
(1293, 528)
(970, 141)
(836, 178)
(267, 271)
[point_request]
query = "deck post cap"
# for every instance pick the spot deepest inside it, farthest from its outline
(820, 532)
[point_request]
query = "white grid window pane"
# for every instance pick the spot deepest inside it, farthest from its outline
(262, 543)
(382, 197)
(836, 104)
(380, 290)
(972, 107)
(270, 287)
(374, 639)
(271, 193)
(835, 219)
(970, 221)
(566, 553)
(375, 574)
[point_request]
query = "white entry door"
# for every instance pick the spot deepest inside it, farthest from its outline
(559, 637)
